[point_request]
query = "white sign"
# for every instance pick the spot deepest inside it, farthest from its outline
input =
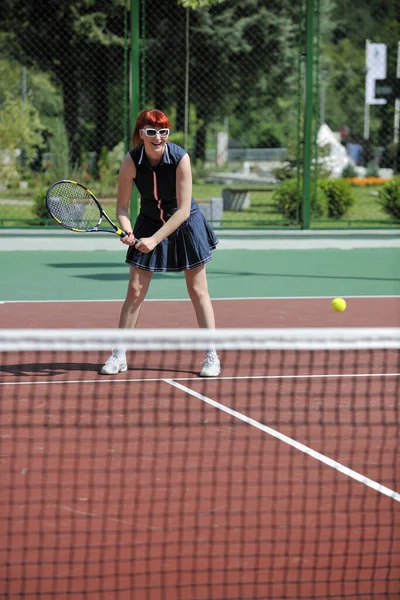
(397, 102)
(396, 120)
(376, 69)
(398, 61)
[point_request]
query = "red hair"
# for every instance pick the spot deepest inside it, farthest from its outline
(149, 118)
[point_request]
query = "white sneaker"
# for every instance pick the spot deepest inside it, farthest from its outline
(211, 366)
(115, 364)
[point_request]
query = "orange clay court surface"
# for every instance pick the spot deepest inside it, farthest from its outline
(290, 539)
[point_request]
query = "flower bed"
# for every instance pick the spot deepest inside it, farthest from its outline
(364, 181)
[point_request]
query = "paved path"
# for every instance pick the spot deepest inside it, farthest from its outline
(64, 240)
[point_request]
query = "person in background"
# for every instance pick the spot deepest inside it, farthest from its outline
(355, 152)
(170, 233)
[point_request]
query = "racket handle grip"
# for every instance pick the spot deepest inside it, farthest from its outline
(125, 233)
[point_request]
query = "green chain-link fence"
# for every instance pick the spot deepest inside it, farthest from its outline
(64, 99)
(284, 123)
(356, 111)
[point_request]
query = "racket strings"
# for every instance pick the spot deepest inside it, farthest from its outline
(73, 206)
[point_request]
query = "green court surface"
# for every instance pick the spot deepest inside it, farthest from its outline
(103, 275)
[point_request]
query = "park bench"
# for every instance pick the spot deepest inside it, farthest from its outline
(239, 198)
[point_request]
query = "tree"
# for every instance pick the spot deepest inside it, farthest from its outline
(243, 62)
(378, 22)
(20, 132)
(80, 54)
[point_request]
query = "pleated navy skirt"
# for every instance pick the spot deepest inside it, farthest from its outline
(187, 247)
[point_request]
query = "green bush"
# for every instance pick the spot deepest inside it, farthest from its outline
(389, 197)
(287, 170)
(349, 171)
(39, 206)
(289, 194)
(340, 196)
(108, 167)
(372, 169)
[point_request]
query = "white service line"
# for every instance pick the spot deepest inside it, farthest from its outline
(284, 438)
(196, 378)
(241, 298)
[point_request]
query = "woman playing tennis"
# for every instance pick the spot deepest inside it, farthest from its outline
(170, 233)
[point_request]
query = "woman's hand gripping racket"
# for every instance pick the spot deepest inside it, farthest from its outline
(76, 208)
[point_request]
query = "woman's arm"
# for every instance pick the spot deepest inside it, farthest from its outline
(126, 176)
(184, 200)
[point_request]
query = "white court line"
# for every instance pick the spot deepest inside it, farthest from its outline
(291, 442)
(233, 377)
(188, 299)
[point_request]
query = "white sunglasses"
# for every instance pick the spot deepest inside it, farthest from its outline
(151, 132)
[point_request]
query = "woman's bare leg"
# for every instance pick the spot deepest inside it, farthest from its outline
(197, 286)
(138, 286)
(196, 282)
(139, 281)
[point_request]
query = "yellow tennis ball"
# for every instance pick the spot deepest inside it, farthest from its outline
(338, 304)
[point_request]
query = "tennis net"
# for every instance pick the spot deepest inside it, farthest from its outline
(278, 479)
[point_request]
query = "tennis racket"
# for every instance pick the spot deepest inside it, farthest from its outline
(76, 208)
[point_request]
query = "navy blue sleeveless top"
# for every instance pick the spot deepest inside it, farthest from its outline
(157, 185)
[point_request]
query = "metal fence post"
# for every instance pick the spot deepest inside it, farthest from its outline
(134, 85)
(308, 115)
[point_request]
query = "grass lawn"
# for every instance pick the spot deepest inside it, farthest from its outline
(16, 209)
(262, 211)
